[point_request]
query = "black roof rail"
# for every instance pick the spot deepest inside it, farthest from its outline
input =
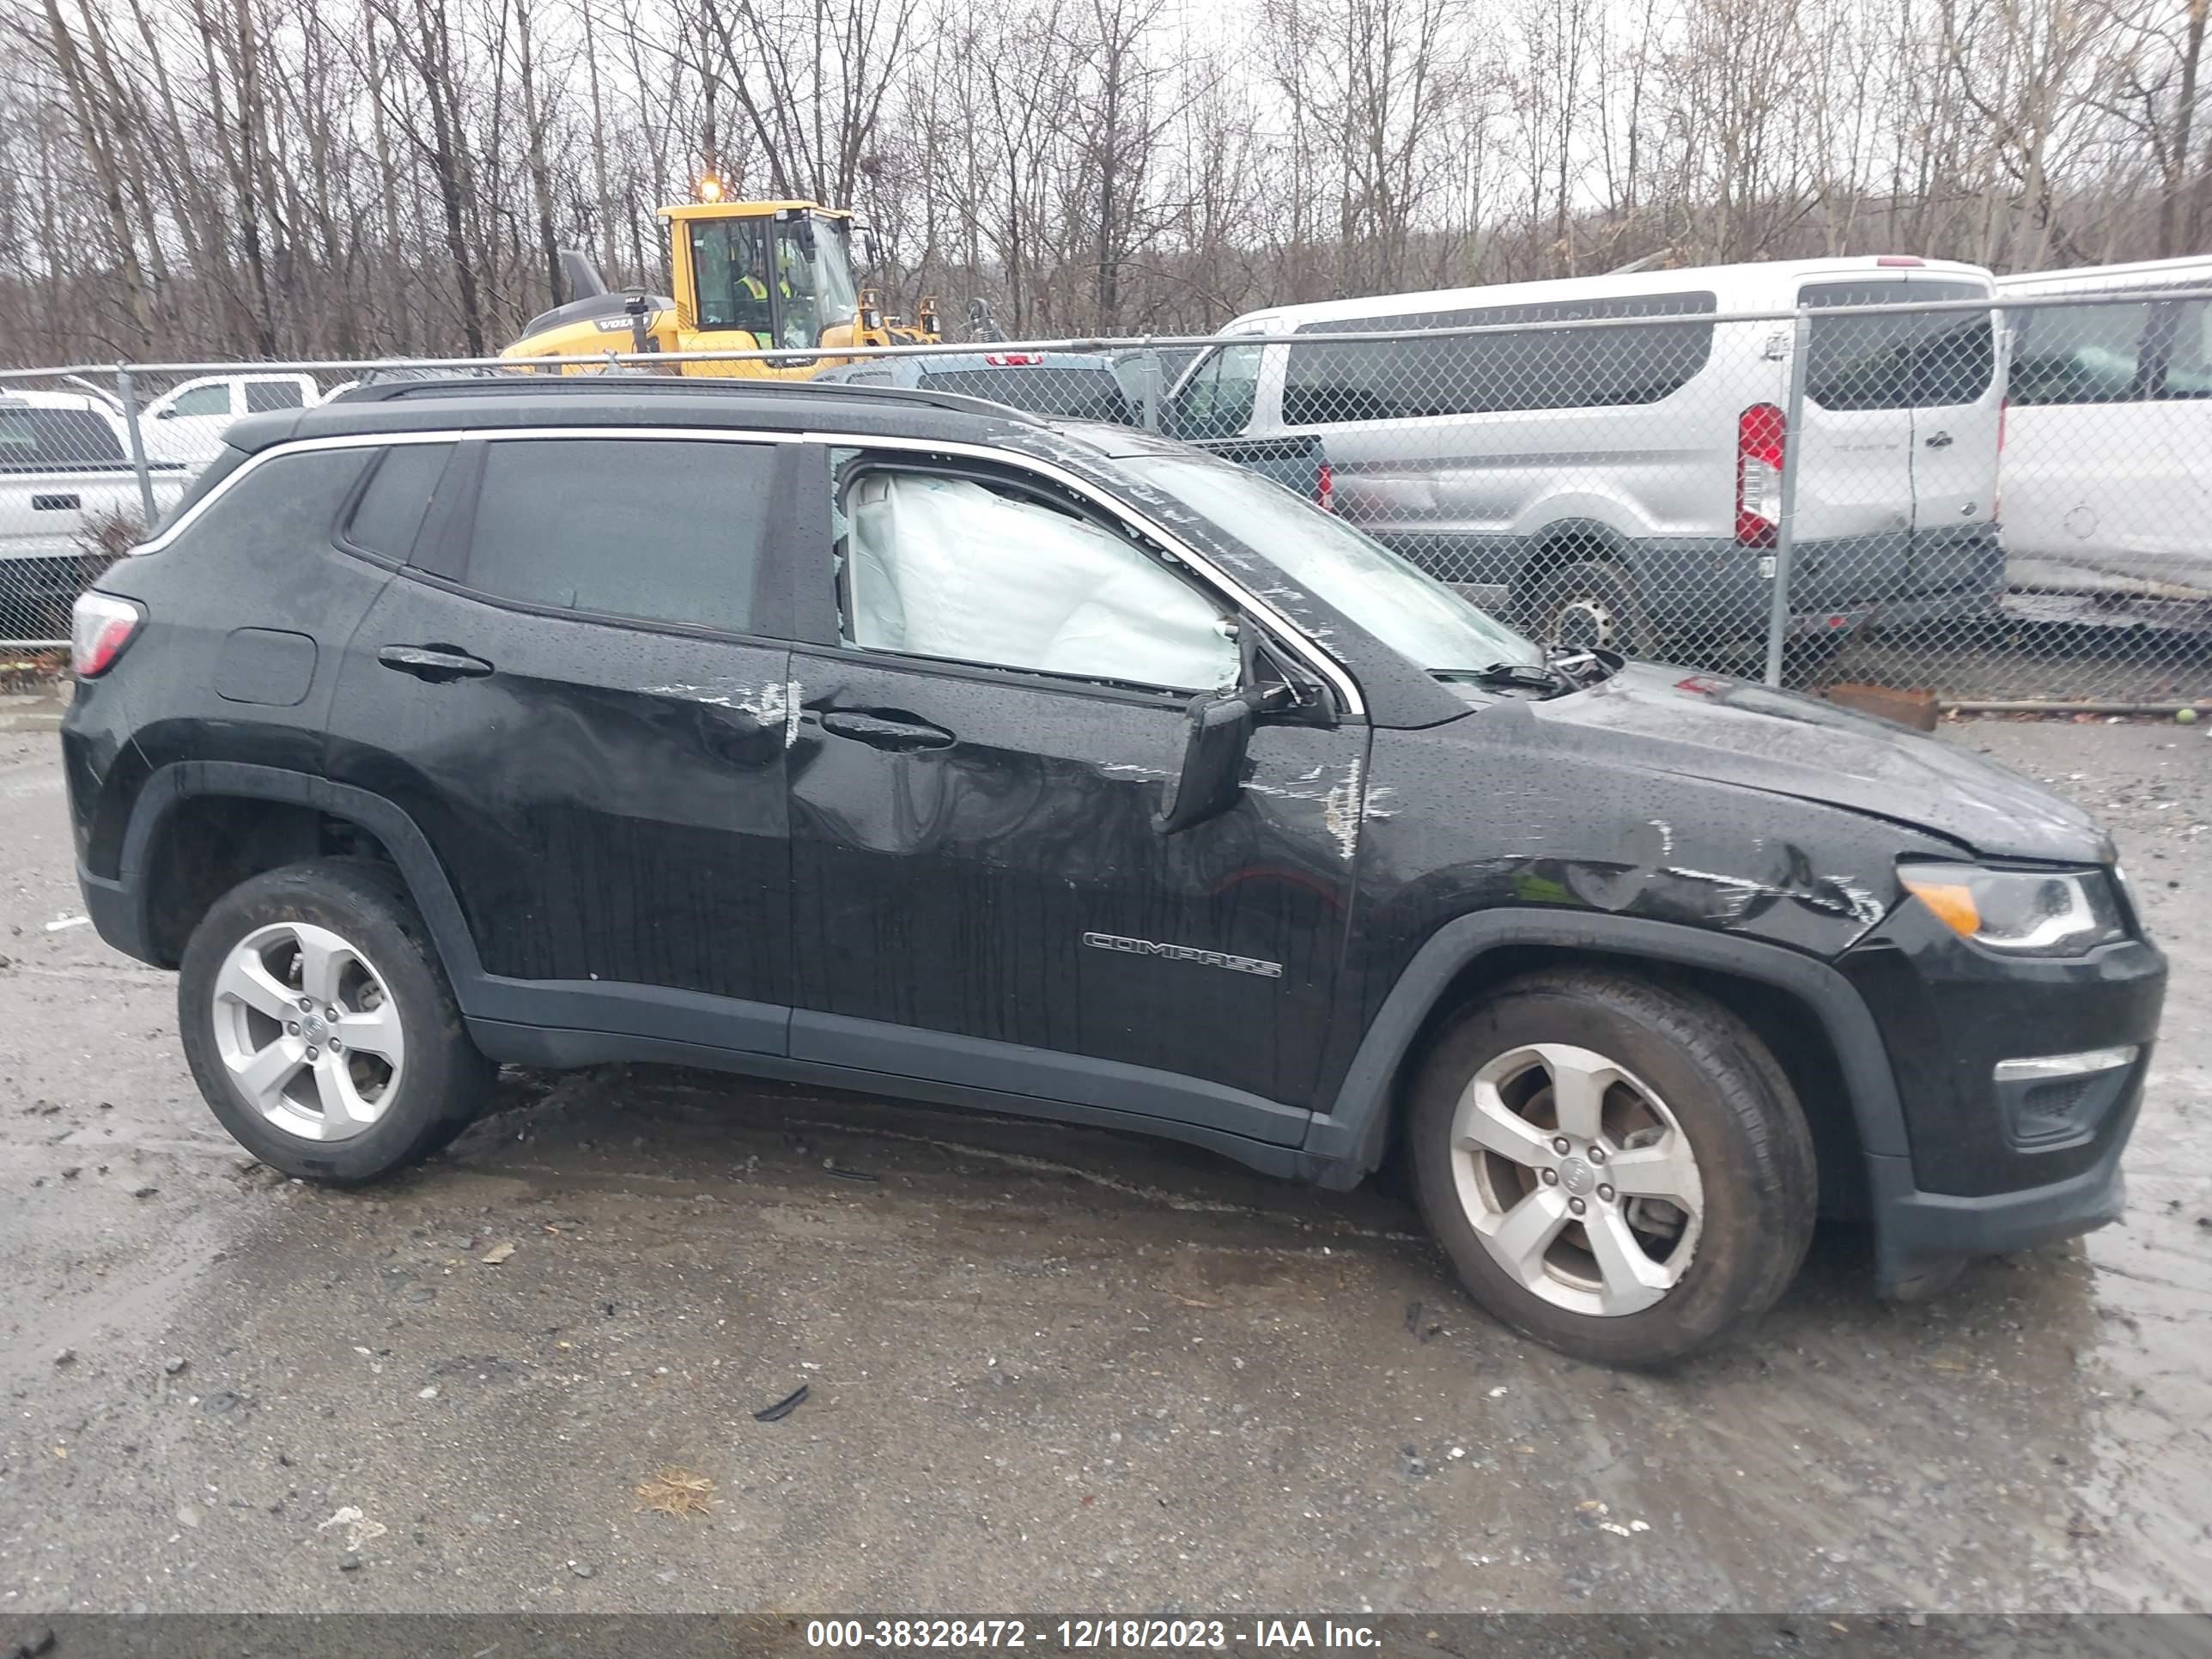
(525, 383)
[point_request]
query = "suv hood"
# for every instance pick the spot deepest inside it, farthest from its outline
(1676, 720)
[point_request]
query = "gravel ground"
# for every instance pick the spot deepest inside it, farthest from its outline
(1045, 1367)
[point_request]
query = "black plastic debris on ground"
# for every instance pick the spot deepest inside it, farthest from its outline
(783, 1408)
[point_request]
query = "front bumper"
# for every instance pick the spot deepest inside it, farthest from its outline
(1918, 1234)
(1988, 1167)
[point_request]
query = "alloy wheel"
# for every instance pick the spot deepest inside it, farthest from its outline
(308, 1032)
(1577, 1179)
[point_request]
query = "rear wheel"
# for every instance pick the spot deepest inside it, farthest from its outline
(321, 1027)
(1589, 605)
(1617, 1169)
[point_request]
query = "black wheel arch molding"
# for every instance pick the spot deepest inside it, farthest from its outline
(1348, 1141)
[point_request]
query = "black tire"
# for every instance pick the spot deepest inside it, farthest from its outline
(1590, 603)
(446, 1081)
(1731, 1102)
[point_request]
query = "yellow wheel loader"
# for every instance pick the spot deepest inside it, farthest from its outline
(773, 277)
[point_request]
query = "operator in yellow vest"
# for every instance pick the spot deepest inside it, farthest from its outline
(752, 291)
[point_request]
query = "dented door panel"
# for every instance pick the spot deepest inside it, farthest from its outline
(1006, 884)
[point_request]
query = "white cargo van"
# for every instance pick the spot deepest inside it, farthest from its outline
(2108, 464)
(1621, 486)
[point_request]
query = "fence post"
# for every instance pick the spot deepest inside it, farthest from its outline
(138, 439)
(1785, 528)
(1148, 384)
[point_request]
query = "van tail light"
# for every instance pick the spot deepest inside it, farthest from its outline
(101, 626)
(1761, 439)
(1325, 489)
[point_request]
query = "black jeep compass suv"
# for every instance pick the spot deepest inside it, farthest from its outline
(901, 742)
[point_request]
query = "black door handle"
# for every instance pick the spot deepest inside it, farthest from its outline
(56, 503)
(1938, 441)
(431, 663)
(884, 731)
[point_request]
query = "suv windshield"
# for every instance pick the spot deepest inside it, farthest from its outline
(1404, 607)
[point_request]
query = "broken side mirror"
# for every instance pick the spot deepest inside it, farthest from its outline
(1216, 733)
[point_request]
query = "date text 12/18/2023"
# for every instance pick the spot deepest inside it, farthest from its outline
(1084, 1635)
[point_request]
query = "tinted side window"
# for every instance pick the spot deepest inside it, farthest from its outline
(392, 508)
(286, 506)
(263, 396)
(2077, 354)
(659, 530)
(2189, 358)
(1530, 366)
(202, 400)
(227, 461)
(35, 440)
(1905, 360)
(1217, 401)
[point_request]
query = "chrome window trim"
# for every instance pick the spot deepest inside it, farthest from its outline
(1322, 665)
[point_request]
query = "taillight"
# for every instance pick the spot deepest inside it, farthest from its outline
(100, 625)
(1013, 359)
(1325, 489)
(1762, 434)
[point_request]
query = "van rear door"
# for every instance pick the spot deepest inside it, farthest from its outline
(1854, 527)
(1958, 417)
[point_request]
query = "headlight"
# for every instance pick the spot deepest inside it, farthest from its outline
(2030, 913)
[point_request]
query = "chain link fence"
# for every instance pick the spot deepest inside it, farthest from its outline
(1984, 501)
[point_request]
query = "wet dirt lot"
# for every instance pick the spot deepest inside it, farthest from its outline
(1045, 1367)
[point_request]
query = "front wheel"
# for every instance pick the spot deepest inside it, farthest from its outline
(1616, 1169)
(321, 1027)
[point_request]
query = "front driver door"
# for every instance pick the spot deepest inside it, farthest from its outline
(979, 895)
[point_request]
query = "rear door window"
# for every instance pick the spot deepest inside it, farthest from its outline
(1526, 366)
(265, 396)
(35, 440)
(392, 508)
(650, 530)
(1898, 360)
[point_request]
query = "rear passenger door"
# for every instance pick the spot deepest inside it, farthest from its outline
(575, 690)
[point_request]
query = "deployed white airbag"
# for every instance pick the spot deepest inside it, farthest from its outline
(946, 568)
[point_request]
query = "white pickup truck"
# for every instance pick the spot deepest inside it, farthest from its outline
(186, 422)
(67, 489)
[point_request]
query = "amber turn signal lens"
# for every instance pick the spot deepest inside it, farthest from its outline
(1952, 901)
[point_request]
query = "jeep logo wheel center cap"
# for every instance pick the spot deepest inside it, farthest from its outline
(1578, 1178)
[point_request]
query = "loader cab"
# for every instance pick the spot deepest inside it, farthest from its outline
(774, 276)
